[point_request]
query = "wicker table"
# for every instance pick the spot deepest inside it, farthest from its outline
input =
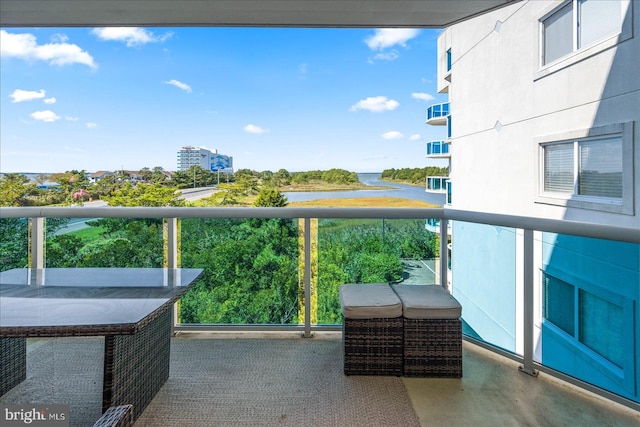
(130, 307)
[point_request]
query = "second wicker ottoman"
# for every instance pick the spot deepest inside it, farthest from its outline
(371, 329)
(432, 331)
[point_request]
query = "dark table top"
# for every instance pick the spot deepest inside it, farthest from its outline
(87, 301)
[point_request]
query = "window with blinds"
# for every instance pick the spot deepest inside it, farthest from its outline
(600, 168)
(589, 168)
(558, 168)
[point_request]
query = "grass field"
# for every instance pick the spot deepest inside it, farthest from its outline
(364, 202)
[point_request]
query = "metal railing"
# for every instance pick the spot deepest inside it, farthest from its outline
(36, 216)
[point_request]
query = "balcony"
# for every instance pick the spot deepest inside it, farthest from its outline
(437, 114)
(491, 392)
(437, 149)
(437, 184)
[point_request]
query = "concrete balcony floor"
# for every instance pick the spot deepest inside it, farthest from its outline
(492, 391)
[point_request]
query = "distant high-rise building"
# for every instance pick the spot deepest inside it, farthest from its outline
(207, 159)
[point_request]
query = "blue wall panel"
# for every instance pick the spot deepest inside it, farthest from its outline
(483, 273)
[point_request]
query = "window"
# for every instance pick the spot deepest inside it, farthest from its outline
(448, 59)
(559, 303)
(578, 24)
(599, 323)
(591, 168)
(588, 169)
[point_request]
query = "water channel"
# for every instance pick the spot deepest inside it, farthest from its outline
(373, 179)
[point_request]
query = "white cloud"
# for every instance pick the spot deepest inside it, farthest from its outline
(26, 47)
(179, 85)
(387, 37)
(415, 137)
(254, 129)
(392, 135)
(45, 116)
(422, 96)
(91, 125)
(20, 95)
(71, 119)
(51, 100)
(59, 38)
(376, 104)
(388, 56)
(132, 36)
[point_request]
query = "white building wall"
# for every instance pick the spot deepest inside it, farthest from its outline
(503, 102)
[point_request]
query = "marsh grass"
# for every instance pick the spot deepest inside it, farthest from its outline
(364, 202)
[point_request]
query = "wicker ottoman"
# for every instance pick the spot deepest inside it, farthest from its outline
(432, 331)
(371, 329)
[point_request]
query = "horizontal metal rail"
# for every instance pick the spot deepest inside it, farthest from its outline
(576, 228)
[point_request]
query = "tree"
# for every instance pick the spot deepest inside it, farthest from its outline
(151, 195)
(270, 197)
(282, 177)
(14, 189)
(158, 175)
(145, 174)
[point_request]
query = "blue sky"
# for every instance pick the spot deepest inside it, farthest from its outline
(292, 98)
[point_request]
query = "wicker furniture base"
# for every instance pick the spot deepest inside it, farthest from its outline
(372, 346)
(433, 348)
(136, 366)
(116, 416)
(13, 363)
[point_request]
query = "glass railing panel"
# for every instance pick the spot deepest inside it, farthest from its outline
(437, 110)
(371, 251)
(587, 315)
(14, 243)
(104, 242)
(251, 271)
(485, 285)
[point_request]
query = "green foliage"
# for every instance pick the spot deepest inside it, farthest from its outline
(281, 177)
(124, 243)
(196, 176)
(14, 189)
(414, 175)
(14, 240)
(270, 197)
(13, 243)
(71, 182)
(332, 176)
(145, 195)
(251, 271)
(369, 252)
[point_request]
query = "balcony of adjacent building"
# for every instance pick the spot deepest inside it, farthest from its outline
(437, 114)
(282, 372)
(437, 149)
(436, 184)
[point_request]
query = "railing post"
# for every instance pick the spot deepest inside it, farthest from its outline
(172, 243)
(172, 259)
(36, 242)
(307, 277)
(527, 357)
(444, 252)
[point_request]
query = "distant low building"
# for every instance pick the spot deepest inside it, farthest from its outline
(97, 176)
